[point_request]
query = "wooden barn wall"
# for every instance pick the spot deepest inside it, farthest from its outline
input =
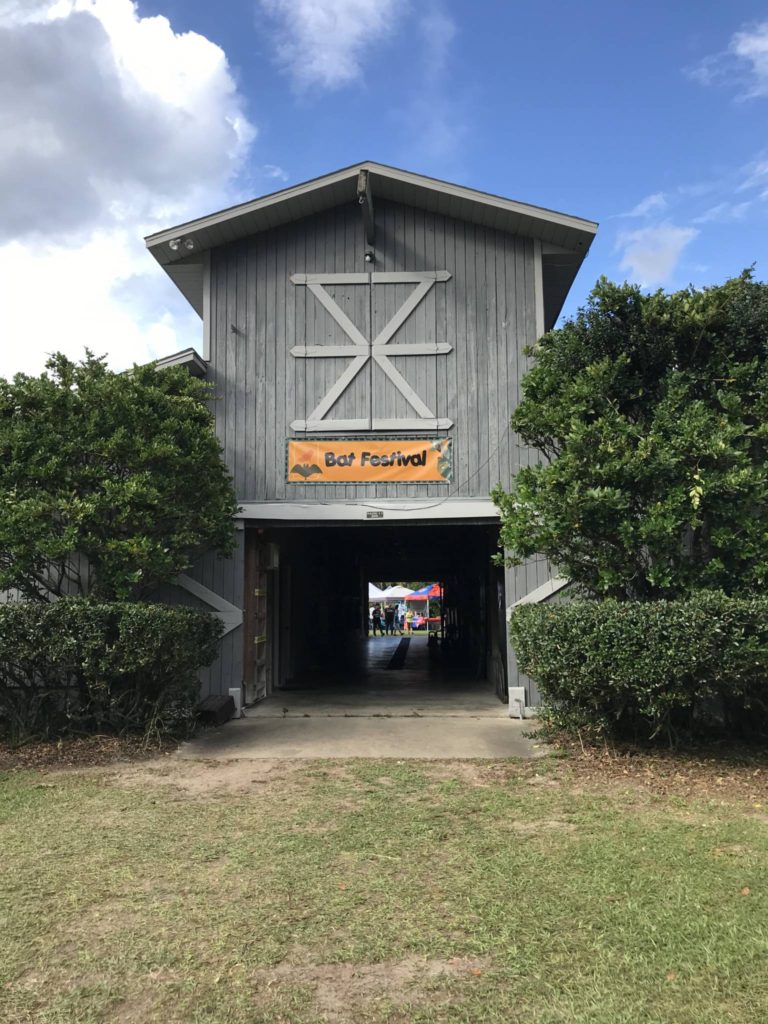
(225, 577)
(518, 582)
(486, 312)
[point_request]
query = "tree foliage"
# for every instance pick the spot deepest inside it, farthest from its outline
(109, 483)
(650, 412)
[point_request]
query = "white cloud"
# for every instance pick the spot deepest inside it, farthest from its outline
(22, 12)
(751, 50)
(435, 116)
(697, 189)
(722, 213)
(273, 172)
(113, 126)
(707, 71)
(744, 63)
(650, 255)
(755, 176)
(61, 298)
(323, 42)
(438, 31)
(651, 204)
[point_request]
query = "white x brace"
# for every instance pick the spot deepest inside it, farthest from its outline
(361, 350)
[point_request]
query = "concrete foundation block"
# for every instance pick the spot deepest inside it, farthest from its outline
(517, 702)
(236, 693)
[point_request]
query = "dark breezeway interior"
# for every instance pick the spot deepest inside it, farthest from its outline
(306, 615)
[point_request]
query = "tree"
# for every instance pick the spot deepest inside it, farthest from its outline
(650, 412)
(110, 483)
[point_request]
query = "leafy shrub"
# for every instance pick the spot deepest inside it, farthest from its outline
(81, 666)
(643, 670)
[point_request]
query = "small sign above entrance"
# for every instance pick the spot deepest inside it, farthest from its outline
(348, 462)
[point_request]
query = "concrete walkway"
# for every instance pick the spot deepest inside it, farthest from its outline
(398, 737)
(423, 710)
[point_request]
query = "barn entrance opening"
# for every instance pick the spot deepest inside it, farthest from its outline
(311, 625)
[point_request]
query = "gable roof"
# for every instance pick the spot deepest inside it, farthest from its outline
(565, 239)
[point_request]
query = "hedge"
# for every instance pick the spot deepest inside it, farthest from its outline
(639, 671)
(77, 666)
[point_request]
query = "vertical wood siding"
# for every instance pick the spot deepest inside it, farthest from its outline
(486, 312)
(225, 577)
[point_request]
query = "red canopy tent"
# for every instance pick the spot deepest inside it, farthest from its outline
(431, 590)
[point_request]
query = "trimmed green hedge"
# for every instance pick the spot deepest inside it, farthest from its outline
(639, 671)
(77, 666)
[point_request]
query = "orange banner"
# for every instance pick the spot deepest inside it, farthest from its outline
(347, 462)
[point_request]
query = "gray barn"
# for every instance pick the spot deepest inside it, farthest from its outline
(366, 332)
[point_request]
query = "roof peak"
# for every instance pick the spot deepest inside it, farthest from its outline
(349, 173)
(181, 250)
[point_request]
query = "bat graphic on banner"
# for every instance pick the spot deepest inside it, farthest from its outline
(306, 470)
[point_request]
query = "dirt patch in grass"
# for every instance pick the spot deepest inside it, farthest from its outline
(341, 992)
(137, 1009)
(202, 779)
(470, 773)
(104, 920)
(740, 778)
(539, 826)
(238, 777)
(145, 1003)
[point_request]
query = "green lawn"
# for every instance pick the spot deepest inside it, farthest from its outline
(379, 892)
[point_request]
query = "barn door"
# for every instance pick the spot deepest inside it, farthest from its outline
(406, 350)
(261, 653)
(356, 378)
(260, 631)
(335, 359)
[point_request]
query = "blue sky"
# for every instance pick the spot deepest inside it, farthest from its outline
(122, 119)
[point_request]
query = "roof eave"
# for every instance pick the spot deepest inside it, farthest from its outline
(186, 358)
(246, 214)
(184, 262)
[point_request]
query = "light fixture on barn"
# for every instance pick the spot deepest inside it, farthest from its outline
(177, 243)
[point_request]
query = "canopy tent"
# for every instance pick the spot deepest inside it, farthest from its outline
(421, 618)
(397, 592)
(431, 590)
(374, 593)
